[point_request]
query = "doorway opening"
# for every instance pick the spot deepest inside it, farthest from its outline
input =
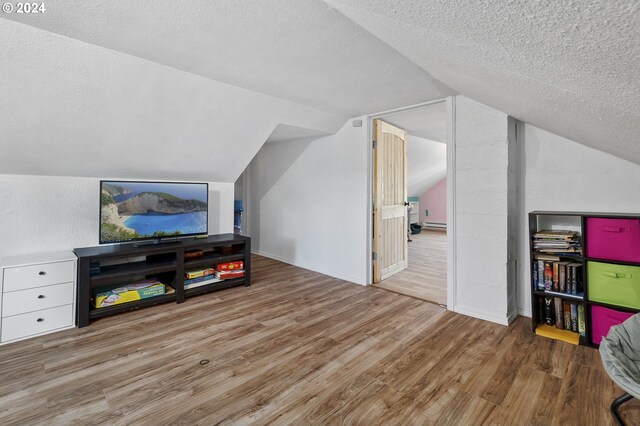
(426, 200)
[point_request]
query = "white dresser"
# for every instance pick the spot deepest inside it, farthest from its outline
(38, 295)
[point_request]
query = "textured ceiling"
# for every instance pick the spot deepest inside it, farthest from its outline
(570, 67)
(428, 122)
(303, 51)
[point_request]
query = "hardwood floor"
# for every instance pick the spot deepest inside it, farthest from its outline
(426, 276)
(298, 347)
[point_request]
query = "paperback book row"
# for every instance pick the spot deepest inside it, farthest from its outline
(222, 271)
(564, 315)
(557, 241)
(550, 274)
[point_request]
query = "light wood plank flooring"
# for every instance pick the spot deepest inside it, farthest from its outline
(426, 276)
(298, 347)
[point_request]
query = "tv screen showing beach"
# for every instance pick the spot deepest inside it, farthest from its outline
(141, 210)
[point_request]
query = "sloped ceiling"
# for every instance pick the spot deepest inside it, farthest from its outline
(284, 132)
(426, 128)
(69, 108)
(427, 122)
(426, 164)
(303, 51)
(569, 67)
(124, 89)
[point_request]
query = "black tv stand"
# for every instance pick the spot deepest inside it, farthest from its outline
(125, 263)
(156, 242)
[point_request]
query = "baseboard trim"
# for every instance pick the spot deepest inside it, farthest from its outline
(351, 279)
(470, 312)
(524, 312)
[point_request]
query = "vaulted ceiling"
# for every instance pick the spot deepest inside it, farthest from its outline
(569, 67)
(303, 51)
(90, 80)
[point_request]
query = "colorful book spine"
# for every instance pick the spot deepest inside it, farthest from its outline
(548, 276)
(534, 269)
(581, 325)
(567, 315)
(541, 285)
(559, 312)
(574, 317)
(556, 286)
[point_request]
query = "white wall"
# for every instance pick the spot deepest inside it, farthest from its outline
(483, 200)
(562, 175)
(308, 201)
(426, 164)
(50, 213)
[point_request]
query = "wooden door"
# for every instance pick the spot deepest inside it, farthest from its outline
(389, 200)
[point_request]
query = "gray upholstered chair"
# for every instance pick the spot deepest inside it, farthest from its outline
(620, 353)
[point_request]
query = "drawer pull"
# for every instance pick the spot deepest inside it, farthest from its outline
(612, 229)
(41, 296)
(40, 319)
(616, 275)
(41, 273)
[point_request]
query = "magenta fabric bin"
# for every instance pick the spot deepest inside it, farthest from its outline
(602, 319)
(613, 239)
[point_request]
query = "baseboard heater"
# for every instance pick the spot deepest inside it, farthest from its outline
(433, 225)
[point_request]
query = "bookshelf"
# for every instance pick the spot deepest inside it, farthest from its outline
(114, 266)
(601, 253)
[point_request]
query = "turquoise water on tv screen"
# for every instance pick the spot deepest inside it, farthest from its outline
(186, 223)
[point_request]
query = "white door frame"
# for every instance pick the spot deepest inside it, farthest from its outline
(451, 192)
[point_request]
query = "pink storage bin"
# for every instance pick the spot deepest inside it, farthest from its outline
(602, 319)
(613, 239)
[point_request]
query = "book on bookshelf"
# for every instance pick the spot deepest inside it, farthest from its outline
(541, 285)
(549, 316)
(557, 302)
(574, 317)
(557, 241)
(562, 276)
(567, 315)
(581, 324)
(534, 271)
(555, 276)
(548, 275)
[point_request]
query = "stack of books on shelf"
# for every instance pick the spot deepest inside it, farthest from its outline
(200, 277)
(552, 275)
(559, 241)
(564, 315)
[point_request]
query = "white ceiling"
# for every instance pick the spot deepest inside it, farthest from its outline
(569, 67)
(148, 74)
(428, 122)
(303, 51)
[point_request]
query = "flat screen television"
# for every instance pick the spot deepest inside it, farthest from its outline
(131, 211)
